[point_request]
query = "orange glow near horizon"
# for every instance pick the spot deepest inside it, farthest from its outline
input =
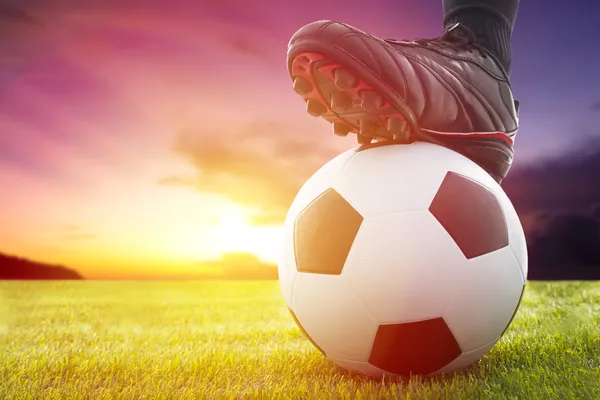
(144, 142)
(129, 226)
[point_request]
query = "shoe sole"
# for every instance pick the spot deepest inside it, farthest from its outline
(343, 97)
(354, 99)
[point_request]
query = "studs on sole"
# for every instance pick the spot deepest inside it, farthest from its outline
(370, 100)
(314, 108)
(362, 139)
(344, 79)
(302, 86)
(340, 102)
(383, 134)
(341, 129)
(371, 129)
(398, 128)
(345, 99)
(368, 127)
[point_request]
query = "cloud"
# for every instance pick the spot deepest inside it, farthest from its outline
(17, 16)
(264, 165)
(236, 266)
(569, 182)
(250, 47)
(73, 232)
(558, 201)
(261, 167)
(18, 29)
(595, 106)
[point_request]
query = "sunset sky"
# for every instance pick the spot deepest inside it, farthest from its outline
(150, 136)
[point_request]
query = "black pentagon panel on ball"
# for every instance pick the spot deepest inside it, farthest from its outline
(414, 348)
(471, 215)
(304, 332)
(323, 234)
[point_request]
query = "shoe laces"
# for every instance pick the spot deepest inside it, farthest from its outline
(456, 35)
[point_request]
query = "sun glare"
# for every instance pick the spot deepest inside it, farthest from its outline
(235, 234)
(232, 225)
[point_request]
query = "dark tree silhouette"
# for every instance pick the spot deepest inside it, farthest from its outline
(12, 267)
(596, 211)
(564, 246)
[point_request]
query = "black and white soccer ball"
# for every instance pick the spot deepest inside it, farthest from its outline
(403, 260)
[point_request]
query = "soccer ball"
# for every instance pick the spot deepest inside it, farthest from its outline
(402, 259)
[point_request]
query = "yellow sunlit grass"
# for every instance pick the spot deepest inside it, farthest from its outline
(237, 340)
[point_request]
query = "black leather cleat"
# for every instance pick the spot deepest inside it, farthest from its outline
(446, 90)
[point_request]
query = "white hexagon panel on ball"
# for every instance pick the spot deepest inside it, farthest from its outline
(403, 259)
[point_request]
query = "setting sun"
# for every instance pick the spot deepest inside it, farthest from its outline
(235, 234)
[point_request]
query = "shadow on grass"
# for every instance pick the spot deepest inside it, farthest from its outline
(322, 366)
(508, 355)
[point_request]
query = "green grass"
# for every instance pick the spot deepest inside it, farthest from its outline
(178, 340)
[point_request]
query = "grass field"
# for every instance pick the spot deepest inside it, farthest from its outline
(184, 340)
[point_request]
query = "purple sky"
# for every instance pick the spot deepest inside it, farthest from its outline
(122, 119)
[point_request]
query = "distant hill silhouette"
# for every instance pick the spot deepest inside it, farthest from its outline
(13, 268)
(564, 246)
